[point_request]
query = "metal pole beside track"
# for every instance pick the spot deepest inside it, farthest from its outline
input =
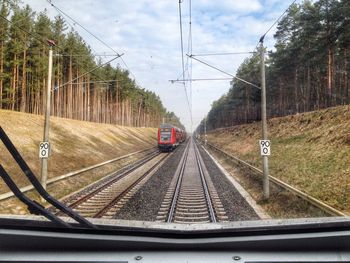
(205, 131)
(44, 161)
(266, 187)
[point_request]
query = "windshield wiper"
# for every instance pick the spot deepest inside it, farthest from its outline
(37, 185)
(33, 206)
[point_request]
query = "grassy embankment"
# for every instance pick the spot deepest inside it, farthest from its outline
(310, 151)
(75, 145)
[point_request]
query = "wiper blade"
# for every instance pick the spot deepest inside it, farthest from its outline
(33, 206)
(37, 185)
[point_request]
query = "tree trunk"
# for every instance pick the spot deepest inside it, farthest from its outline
(296, 95)
(329, 76)
(24, 83)
(1, 72)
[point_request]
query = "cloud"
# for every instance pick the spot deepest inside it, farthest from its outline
(148, 33)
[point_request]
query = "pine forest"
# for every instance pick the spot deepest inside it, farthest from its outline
(83, 87)
(308, 69)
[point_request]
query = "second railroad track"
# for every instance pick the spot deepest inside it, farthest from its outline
(106, 197)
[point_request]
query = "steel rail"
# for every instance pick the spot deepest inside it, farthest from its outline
(105, 184)
(314, 201)
(50, 181)
(128, 189)
(178, 184)
(205, 186)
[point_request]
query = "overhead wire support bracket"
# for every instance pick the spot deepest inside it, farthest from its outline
(223, 54)
(274, 23)
(207, 79)
(88, 72)
(93, 35)
(226, 73)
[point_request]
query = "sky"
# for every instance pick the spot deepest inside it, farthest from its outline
(147, 32)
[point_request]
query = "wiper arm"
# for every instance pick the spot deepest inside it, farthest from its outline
(33, 207)
(37, 185)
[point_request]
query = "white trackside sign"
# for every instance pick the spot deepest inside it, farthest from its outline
(44, 150)
(265, 147)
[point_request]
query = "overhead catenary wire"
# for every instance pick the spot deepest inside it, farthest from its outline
(20, 20)
(25, 31)
(64, 15)
(222, 54)
(60, 11)
(181, 41)
(273, 24)
(44, 43)
(95, 55)
(99, 66)
(224, 72)
(234, 53)
(198, 79)
(98, 81)
(93, 35)
(189, 51)
(76, 22)
(182, 57)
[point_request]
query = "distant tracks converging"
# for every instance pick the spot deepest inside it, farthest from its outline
(191, 196)
(105, 198)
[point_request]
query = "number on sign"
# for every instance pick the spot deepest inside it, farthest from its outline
(265, 143)
(44, 149)
(265, 147)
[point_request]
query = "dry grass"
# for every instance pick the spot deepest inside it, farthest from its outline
(75, 144)
(281, 204)
(310, 151)
(65, 187)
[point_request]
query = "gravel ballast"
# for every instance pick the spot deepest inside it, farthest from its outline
(144, 205)
(236, 207)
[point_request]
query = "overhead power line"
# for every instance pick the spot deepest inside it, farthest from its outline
(182, 58)
(99, 81)
(93, 35)
(25, 31)
(205, 79)
(181, 41)
(44, 43)
(76, 22)
(274, 23)
(95, 55)
(226, 73)
(189, 51)
(99, 66)
(222, 54)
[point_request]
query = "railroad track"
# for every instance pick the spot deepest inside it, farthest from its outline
(311, 200)
(191, 196)
(107, 196)
(122, 159)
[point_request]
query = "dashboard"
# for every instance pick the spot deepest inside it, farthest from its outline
(309, 240)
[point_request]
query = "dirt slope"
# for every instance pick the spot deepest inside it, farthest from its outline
(310, 151)
(75, 144)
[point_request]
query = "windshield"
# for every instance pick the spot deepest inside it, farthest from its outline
(175, 112)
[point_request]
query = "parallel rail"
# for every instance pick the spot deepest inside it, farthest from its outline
(178, 185)
(205, 186)
(317, 203)
(50, 181)
(191, 197)
(106, 193)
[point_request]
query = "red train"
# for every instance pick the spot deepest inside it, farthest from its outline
(169, 137)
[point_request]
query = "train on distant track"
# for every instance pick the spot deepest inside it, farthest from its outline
(169, 137)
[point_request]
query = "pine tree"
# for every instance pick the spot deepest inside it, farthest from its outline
(3, 40)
